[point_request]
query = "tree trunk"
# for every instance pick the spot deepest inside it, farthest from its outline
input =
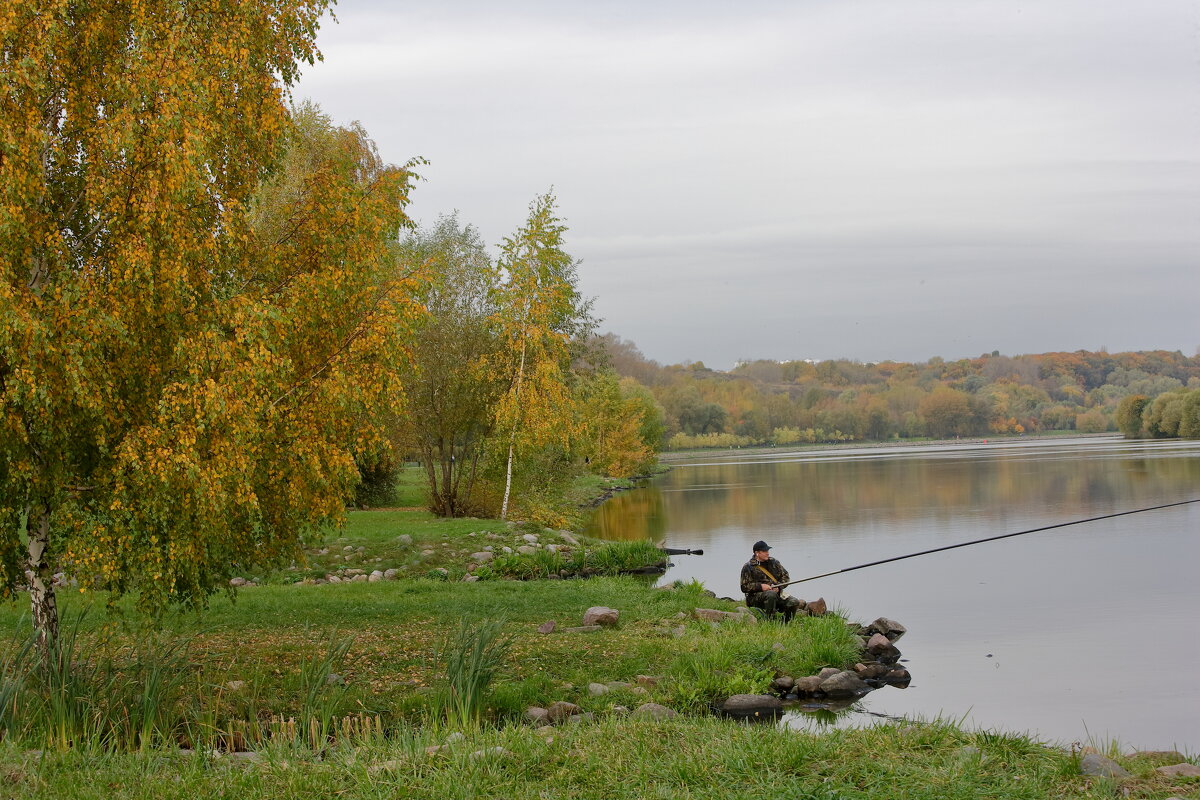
(41, 582)
(512, 439)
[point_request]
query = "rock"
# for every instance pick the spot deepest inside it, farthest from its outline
(404, 539)
(586, 716)
(807, 686)
(653, 711)
(713, 615)
(439, 572)
(482, 557)
(547, 627)
(526, 549)
(783, 684)
(238, 581)
(1168, 756)
(390, 574)
(844, 684)
(888, 627)
(872, 670)
(333, 679)
(235, 686)
(426, 552)
(817, 608)
(552, 548)
(752, 706)
(536, 715)
(647, 680)
(568, 538)
(469, 578)
(359, 579)
(532, 538)
(882, 649)
(375, 577)
(828, 672)
(560, 710)
(898, 676)
(348, 548)
(1179, 771)
(601, 615)
(597, 689)
(1102, 767)
(582, 629)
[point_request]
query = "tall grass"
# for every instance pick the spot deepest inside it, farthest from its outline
(473, 653)
(322, 699)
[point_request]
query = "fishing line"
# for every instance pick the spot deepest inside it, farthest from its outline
(988, 539)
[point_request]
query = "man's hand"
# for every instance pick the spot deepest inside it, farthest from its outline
(766, 587)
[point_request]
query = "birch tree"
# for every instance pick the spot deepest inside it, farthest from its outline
(179, 364)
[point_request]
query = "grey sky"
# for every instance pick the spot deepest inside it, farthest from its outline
(854, 179)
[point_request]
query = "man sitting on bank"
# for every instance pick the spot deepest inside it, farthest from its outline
(759, 575)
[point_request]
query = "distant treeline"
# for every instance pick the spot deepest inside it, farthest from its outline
(771, 402)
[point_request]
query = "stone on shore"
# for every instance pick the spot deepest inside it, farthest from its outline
(818, 607)
(1179, 771)
(888, 627)
(844, 684)
(752, 706)
(714, 615)
(560, 710)
(1099, 766)
(601, 615)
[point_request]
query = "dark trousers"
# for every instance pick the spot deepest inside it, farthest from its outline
(771, 602)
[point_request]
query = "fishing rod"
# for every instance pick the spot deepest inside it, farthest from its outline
(980, 541)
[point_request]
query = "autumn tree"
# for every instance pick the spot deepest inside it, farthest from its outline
(617, 427)
(453, 386)
(541, 311)
(186, 341)
(1129, 415)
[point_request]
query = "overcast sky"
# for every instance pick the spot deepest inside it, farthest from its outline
(867, 180)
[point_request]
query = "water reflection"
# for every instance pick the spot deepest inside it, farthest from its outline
(988, 623)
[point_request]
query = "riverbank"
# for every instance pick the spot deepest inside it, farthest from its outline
(670, 456)
(294, 688)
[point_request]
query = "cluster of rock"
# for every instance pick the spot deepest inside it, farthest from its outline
(877, 668)
(561, 712)
(1095, 765)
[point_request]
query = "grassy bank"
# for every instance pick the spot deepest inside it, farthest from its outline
(344, 688)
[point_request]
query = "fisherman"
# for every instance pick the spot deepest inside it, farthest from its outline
(760, 578)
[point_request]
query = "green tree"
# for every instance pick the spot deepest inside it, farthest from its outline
(180, 373)
(541, 311)
(946, 412)
(452, 387)
(1129, 415)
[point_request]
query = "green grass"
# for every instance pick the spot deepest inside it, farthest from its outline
(611, 758)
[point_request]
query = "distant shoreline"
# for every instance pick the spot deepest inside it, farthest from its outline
(684, 455)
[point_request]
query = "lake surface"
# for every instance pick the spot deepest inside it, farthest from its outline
(1085, 633)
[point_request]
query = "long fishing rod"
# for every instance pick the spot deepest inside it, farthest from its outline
(980, 541)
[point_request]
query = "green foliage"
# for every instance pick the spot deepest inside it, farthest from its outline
(1129, 415)
(473, 653)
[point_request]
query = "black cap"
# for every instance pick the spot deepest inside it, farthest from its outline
(761, 545)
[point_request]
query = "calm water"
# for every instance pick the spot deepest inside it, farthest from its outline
(1085, 633)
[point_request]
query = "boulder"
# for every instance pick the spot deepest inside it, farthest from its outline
(390, 574)
(375, 577)
(536, 715)
(560, 710)
(844, 684)
(783, 684)
(898, 676)
(601, 615)
(828, 672)
(547, 626)
(818, 607)
(752, 706)
(872, 670)
(597, 689)
(888, 627)
(653, 711)
(807, 686)
(1179, 771)
(482, 557)
(882, 649)
(1099, 766)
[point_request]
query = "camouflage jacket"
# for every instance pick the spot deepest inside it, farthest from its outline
(752, 576)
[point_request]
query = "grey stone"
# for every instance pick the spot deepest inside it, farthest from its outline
(537, 715)
(1099, 766)
(390, 574)
(597, 689)
(375, 577)
(844, 684)
(810, 684)
(470, 578)
(783, 684)
(568, 538)
(653, 711)
(526, 549)
(532, 538)
(237, 581)
(888, 627)
(828, 672)
(359, 579)
(482, 557)
(752, 706)
(601, 615)
(1179, 771)
(404, 539)
(586, 716)
(560, 710)
(547, 627)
